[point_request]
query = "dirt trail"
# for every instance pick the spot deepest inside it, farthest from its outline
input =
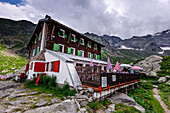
(157, 96)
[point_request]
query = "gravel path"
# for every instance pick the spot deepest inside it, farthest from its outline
(157, 96)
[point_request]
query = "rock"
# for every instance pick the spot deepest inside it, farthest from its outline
(90, 99)
(107, 110)
(54, 101)
(20, 91)
(18, 95)
(167, 76)
(81, 92)
(111, 108)
(91, 90)
(33, 93)
(78, 96)
(66, 106)
(168, 83)
(10, 75)
(144, 81)
(140, 108)
(72, 97)
(162, 79)
(4, 95)
(100, 111)
(155, 86)
(153, 74)
(39, 104)
(83, 103)
(83, 110)
(64, 98)
(80, 88)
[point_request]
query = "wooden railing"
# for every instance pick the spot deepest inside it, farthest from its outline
(92, 77)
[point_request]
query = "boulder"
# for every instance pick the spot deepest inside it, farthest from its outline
(4, 95)
(155, 86)
(167, 76)
(168, 83)
(42, 103)
(90, 99)
(111, 108)
(80, 88)
(54, 101)
(83, 110)
(33, 93)
(78, 96)
(91, 90)
(162, 79)
(83, 103)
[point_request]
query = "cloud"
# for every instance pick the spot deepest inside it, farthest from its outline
(124, 18)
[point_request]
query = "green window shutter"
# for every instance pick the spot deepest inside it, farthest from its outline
(34, 52)
(76, 39)
(98, 57)
(91, 55)
(89, 44)
(35, 40)
(58, 33)
(56, 47)
(79, 53)
(68, 50)
(37, 50)
(65, 36)
(71, 38)
(39, 36)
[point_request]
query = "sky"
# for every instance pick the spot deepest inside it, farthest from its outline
(123, 18)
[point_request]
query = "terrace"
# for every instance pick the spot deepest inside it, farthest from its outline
(93, 77)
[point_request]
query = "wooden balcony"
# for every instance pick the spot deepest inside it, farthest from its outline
(92, 76)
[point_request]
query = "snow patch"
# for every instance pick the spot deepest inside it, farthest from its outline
(165, 48)
(162, 52)
(124, 47)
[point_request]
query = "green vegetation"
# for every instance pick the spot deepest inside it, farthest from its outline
(10, 63)
(121, 108)
(146, 99)
(146, 85)
(98, 105)
(47, 84)
(165, 66)
(150, 80)
(164, 93)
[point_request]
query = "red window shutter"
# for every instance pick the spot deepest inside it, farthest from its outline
(27, 67)
(56, 66)
(39, 67)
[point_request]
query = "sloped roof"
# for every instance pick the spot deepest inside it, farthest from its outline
(71, 58)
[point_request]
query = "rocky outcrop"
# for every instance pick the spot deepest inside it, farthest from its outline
(162, 79)
(125, 99)
(150, 65)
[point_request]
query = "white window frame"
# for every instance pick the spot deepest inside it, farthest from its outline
(62, 48)
(74, 50)
(82, 53)
(82, 41)
(74, 36)
(63, 33)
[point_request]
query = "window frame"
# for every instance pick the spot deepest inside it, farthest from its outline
(52, 67)
(74, 37)
(62, 48)
(74, 50)
(63, 33)
(82, 42)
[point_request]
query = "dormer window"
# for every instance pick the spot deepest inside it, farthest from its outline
(61, 33)
(95, 46)
(82, 41)
(89, 44)
(73, 38)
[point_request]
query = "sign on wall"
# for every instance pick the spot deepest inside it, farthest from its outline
(104, 81)
(113, 78)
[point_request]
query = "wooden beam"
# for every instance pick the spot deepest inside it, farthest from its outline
(69, 38)
(53, 31)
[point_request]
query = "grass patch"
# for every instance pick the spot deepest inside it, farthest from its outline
(121, 108)
(47, 84)
(146, 99)
(98, 105)
(146, 85)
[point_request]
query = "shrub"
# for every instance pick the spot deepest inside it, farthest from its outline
(97, 105)
(146, 85)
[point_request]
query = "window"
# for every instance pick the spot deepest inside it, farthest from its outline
(39, 36)
(69, 50)
(72, 51)
(61, 33)
(95, 56)
(82, 41)
(80, 53)
(52, 66)
(34, 52)
(47, 66)
(73, 38)
(58, 47)
(89, 55)
(89, 44)
(38, 49)
(95, 46)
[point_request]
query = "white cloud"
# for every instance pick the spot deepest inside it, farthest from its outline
(123, 18)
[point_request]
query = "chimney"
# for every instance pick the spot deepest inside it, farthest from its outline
(49, 17)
